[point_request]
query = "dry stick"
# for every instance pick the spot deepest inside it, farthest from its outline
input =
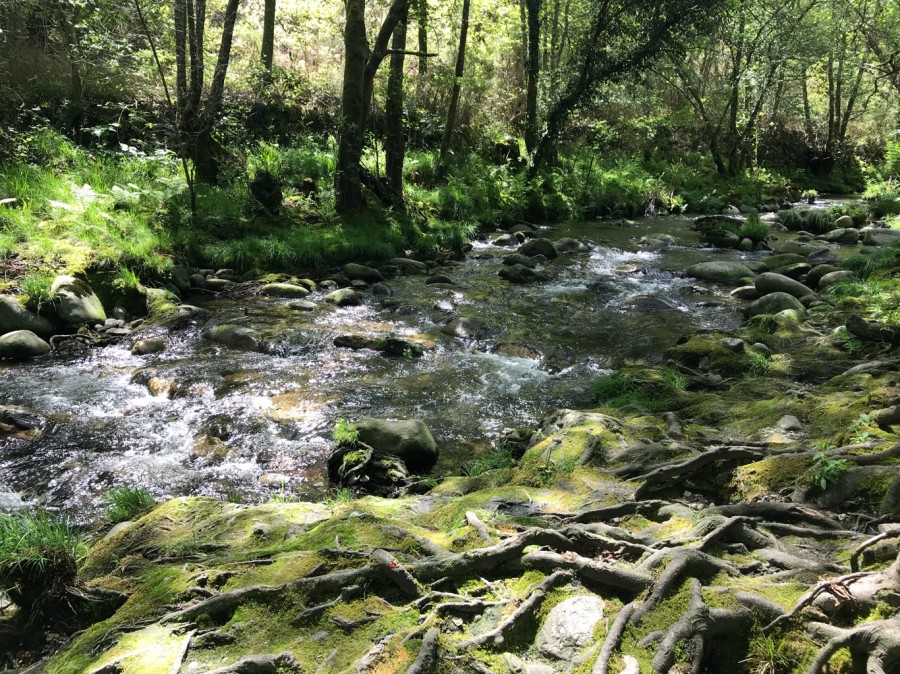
(809, 597)
(717, 533)
(854, 556)
(495, 637)
(611, 643)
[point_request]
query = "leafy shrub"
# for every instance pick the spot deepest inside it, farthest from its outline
(883, 198)
(825, 470)
(855, 212)
(343, 433)
(127, 503)
(39, 558)
(818, 222)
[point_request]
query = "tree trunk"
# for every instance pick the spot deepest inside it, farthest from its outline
(348, 189)
(421, 8)
(533, 8)
(395, 137)
(268, 36)
(181, 87)
(457, 83)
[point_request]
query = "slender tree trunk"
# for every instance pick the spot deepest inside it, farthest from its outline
(533, 12)
(268, 37)
(457, 82)
(181, 86)
(348, 189)
(76, 85)
(807, 114)
(395, 137)
(421, 8)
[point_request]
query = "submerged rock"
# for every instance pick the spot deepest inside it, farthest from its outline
(517, 258)
(568, 245)
(520, 274)
(466, 328)
(234, 336)
(145, 347)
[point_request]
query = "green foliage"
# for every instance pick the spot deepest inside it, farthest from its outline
(759, 364)
(343, 433)
(500, 458)
(127, 503)
(884, 258)
(39, 557)
(35, 289)
(755, 229)
(818, 222)
(883, 199)
(826, 471)
(855, 212)
(339, 495)
(655, 395)
(847, 341)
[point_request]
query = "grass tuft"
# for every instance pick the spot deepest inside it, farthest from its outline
(127, 503)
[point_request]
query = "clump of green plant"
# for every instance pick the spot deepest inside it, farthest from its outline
(810, 196)
(344, 433)
(339, 495)
(791, 219)
(855, 212)
(847, 341)
(826, 471)
(818, 222)
(883, 199)
(127, 503)
(884, 258)
(39, 558)
(35, 287)
(759, 363)
(858, 431)
(655, 395)
(755, 229)
(501, 458)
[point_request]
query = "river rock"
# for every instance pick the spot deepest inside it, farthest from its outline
(539, 246)
(520, 274)
(234, 336)
(880, 237)
(567, 245)
(731, 210)
(344, 297)
(410, 440)
(439, 279)
(512, 350)
(444, 307)
(709, 223)
(816, 273)
(145, 347)
(889, 416)
(468, 328)
(507, 240)
(395, 347)
(516, 258)
(22, 344)
(75, 301)
(770, 282)
(409, 266)
(217, 285)
(845, 222)
(359, 272)
(355, 342)
(522, 228)
(569, 627)
(302, 305)
(283, 290)
(847, 236)
(774, 303)
(746, 245)
(13, 316)
(722, 238)
(783, 260)
(822, 256)
(790, 423)
(803, 248)
(842, 276)
(719, 271)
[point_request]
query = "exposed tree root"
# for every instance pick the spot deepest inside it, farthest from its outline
(876, 643)
(613, 637)
(261, 664)
(665, 474)
(589, 571)
(428, 653)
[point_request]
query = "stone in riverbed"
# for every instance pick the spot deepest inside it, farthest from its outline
(520, 274)
(217, 285)
(569, 627)
(302, 305)
(234, 336)
(283, 290)
(794, 271)
(466, 328)
(409, 266)
(145, 347)
(841, 276)
(783, 260)
(745, 293)
(21, 344)
(822, 256)
(409, 439)
(345, 297)
(846, 236)
(719, 271)
(722, 238)
(770, 282)
(75, 301)
(359, 272)
(439, 279)
(539, 246)
(13, 316)
(880, 237)
(568, 245)
(516, 258)
(774, 303)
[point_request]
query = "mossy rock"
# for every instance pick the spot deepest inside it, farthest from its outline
(705, 351)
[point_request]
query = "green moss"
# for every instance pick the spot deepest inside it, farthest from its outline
(755, 480)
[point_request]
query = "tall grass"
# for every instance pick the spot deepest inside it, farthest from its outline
(126, 503)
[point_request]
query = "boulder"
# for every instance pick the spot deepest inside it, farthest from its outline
(783, 260)
(746, 209)
(217, 285)
(515, 258)
(520, 274)
(344, 297)
(355, 342)
(13, 316)
(468, 328)
(283, 290)
(507, 240)
(709, 223)
(880, 237)
(382, 290)
(719, 271)
(847, 236)
(234, 337)
(722, 238)
(774, 303)
(803, 248)
(302, 305)
(770, 282)
(745, 293)
(180, 276)
(845, 222)
(816, 273)
(22, 344)
(543, 247)
(145, 347)
(359, 272)
(409, 266)
(439, 279)
(409, 440)
(823, 256)
(567, 245)
(842, 276)
(75, 301)
(731, 210)
(569, 627)
(794, 271)
(746, 245)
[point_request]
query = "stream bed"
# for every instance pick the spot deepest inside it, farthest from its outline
(246, 426)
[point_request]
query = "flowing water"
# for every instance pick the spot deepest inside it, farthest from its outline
(544, 344)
